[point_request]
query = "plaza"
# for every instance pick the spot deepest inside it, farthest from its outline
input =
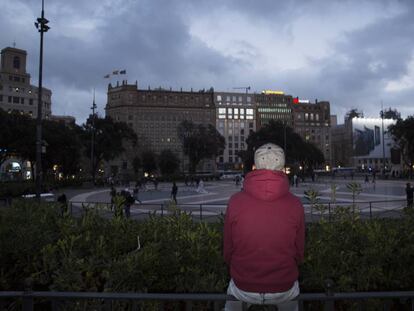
(384, 197)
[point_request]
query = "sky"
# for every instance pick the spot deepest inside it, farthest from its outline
(353, 53)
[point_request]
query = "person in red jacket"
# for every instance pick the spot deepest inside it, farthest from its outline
(264, 236)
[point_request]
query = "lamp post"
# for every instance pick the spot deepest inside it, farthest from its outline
(41, 26)
(93, 139)
(383, 141)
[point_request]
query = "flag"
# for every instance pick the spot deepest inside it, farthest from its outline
(122, 72)
(115, 72)
(106, 76)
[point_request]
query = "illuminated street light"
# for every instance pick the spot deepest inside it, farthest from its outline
(41, 26)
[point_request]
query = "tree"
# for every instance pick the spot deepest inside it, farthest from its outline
(17, 136)
(297, 150)
(149, 163)
(136, 164)
(403, 134)
(109, 139)
(63, 147)
(354, 113)
(168, 162)
(199, 142)
(390, 114)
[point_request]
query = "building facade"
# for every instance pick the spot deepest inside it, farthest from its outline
(16, 92)
(312, 121)
(273, 105)
(155, 115)
(365, 144)
(235, 119)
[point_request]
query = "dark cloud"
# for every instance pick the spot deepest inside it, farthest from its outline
(153, 42)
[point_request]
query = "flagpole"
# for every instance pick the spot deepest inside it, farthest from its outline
(383, 140)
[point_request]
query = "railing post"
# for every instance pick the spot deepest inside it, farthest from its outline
(27, 299)
(329, 211)
(201, 211)
(370, 210)
(329, 304)
(162, 209)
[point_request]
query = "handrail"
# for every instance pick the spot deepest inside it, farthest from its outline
(327, 298)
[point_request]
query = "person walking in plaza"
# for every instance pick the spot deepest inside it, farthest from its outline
(136, 194)
(409, 192)
(264, 236)
(174, 191)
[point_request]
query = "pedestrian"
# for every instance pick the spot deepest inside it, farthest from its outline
(136, 194)
(112, 193)
(155, 183)
(63, 203)
(237, 179)
(128, 201)
(366, 178)
(296, 180)
(264, 235)
(409, 191)
(174, 191)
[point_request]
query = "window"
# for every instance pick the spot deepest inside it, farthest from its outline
(1, 98)
(22, 100)
(130, 117)
(219, 98)
(249, 99)
(240, 98)
(16, 62)
(9, 99)
(231, 159)
(16, 100)
(234, 98)
(30, 101)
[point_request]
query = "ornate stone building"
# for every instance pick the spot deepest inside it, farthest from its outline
(16, 92)
(155, 115)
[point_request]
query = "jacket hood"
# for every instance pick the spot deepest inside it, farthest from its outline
(266, 185)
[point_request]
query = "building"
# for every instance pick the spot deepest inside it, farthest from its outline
(66, 120)
(312, 121)
(155, 115)
(235, 119)
(371, 143)
(16, 92)
(364, 143)
(273, 105)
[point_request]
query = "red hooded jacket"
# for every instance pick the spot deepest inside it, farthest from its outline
(264, 234)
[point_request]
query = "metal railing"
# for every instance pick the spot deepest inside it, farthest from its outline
(56, 301)
(314, 212)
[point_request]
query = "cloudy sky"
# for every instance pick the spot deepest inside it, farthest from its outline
(354, 53)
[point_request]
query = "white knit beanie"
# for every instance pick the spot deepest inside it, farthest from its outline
(269, 157)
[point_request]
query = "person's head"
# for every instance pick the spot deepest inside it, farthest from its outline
(408, 185)
(269, 157)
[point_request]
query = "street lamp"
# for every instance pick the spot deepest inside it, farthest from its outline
(42, 27)
(93, 139)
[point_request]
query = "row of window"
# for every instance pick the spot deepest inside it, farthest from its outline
(236, 113)
(236, 159)
(16, 100)
(17, 79)
(234, 98)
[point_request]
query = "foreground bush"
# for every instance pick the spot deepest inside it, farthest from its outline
(175, 254)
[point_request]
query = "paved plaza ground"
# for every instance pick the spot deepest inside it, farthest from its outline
(383, 195)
